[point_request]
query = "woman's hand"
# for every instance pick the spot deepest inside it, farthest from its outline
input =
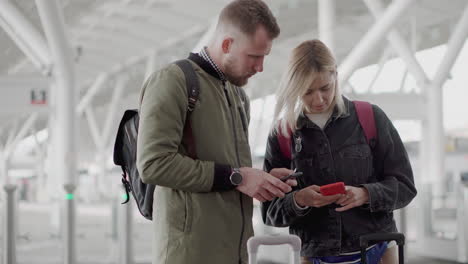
(311, 196)
(354, 197)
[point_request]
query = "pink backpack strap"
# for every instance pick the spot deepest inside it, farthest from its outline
(285, 143)
(366, 119)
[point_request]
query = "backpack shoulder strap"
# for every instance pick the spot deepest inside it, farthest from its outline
(285, 143)
(193, 91)
(366, 119)
(191, 82)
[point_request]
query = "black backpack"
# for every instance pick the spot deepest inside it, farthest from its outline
(125, 146)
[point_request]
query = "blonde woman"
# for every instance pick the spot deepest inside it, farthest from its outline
(328, 145)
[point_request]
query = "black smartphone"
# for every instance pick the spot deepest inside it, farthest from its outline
(292, 175)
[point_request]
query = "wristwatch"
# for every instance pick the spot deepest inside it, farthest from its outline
(236, 177)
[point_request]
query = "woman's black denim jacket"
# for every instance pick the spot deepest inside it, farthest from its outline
(340, 152)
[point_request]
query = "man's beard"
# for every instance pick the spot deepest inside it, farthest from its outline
(237, 81)
(231, 76)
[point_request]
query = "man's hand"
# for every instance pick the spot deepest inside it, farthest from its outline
(261, 185)
(311, 196)
(355, 196)
(281, 172)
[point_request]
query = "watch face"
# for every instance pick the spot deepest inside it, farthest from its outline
(236, 178)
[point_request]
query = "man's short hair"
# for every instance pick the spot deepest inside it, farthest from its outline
(247, 15)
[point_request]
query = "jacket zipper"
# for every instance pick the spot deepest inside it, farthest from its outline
(238, 162)
(244, 125)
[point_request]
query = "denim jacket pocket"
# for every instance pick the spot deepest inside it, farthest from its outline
(358, 151)
(306, 166)
(355, 163)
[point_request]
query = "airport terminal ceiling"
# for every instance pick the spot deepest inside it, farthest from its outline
(115, 39)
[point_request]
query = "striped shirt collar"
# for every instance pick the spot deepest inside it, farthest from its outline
(204, 54)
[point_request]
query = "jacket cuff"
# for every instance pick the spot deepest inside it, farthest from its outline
(367, 205)
(298, 206)
(376, 197)
(294, 208)
(221, 180)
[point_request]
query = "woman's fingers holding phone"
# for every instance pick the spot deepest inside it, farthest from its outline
(355, 196)
(311, 196)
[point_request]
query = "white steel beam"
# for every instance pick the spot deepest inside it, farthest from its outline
(454, 46)
(149, 25)
(434, 119)
(64, 77)
(96, 63)
(23, 80)
(85, 72)
(129, 11)
(125, 231)
(52, 20)
(25, 35)
(161, 19)
(146, 12)
(112, 110)
(93, 127)
(383, 59)
(132, 61)
(105, 37)
(399, 44)
(99, 51)
(107, 13)
(326, 22)
(54, 181)
(92, 91)
(28, 124)
(40, 156)
(18, 66)
(11, 224)
(166, 44)
(403, 80)
(4, 164)
(11, 135)
(371, 38)
(141, 31)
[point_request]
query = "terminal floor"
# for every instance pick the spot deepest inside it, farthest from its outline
(39, 243)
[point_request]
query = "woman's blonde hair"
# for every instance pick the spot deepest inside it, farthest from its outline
(308, 61)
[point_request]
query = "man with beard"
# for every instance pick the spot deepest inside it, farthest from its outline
(202, 211)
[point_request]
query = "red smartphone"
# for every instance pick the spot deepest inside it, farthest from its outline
(333, 188)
